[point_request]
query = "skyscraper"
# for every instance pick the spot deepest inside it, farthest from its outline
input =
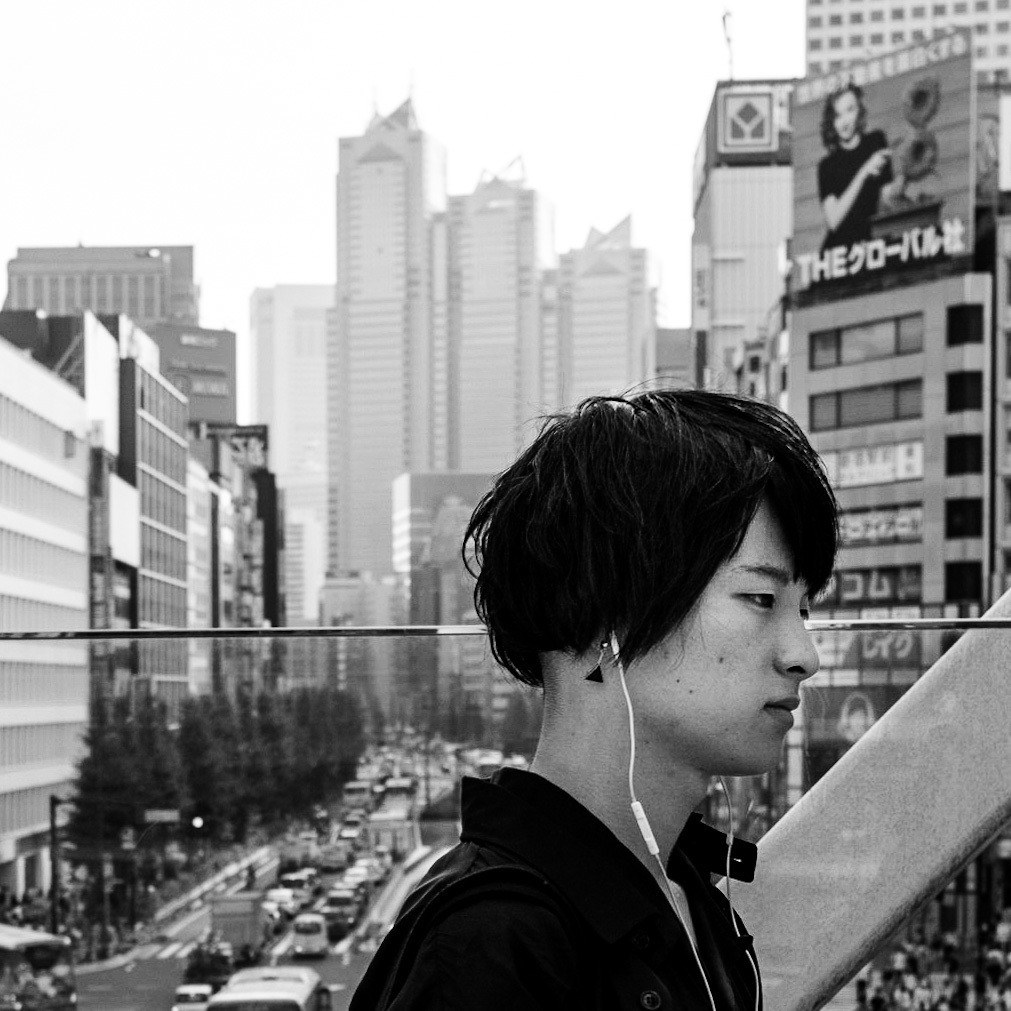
(390, 186)
(606, 316)
(146, 283)
(499, 244)
(288, 330)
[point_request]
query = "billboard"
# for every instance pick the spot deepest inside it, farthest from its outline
(884, 157)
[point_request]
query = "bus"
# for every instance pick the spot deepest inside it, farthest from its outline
(358, 795)
(277, 988)
(36, 970)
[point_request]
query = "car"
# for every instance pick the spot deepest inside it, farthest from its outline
(285, 899)
(305, 883)
(192, 997)
(310, 935)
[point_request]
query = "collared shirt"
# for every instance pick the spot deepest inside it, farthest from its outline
(605, 935)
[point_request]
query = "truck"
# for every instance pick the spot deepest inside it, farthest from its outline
(241, 921)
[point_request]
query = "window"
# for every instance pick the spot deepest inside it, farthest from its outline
(963, 454)
(898, 13)
(982, 28)
(965, 324)
(1002, 27)
(856, 19)
(982, 5)
(866, 342)
(877, 15)
(940, 9)
(919, 12)
(867, 405)
(835, 19)
(963, 517)
(961, 8)
(965, 391)
(815, 44)
(814, 67)
(898, 37)
(963, 581)
(1002, 5)
(981, 52)
(877, 39)
(856, 40)
(814, 22)
(835, 43)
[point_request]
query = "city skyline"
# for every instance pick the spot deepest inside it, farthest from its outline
(236, 154)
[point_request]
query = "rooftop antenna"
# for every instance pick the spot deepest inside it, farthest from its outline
(730, 46)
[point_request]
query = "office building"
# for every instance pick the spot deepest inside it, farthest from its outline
(675, 363)
(839, 33)
(147, 283)
(606, 317)
(288, 330)
(499, 241)
(742, 195)
(44, 580)
(200, 363)
(391, 185)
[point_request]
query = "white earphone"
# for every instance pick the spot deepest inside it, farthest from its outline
(651, 844)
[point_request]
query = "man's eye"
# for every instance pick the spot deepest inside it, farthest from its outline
(762, 599)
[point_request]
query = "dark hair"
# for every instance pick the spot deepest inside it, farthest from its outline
(619, 513)
(829, 137)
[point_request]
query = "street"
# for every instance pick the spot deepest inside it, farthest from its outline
(147, 981)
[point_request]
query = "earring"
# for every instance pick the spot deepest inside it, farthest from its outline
(596, 675)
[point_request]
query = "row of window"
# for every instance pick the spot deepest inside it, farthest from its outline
(25, 493)
(163, 402)
(42, 684)
(161, 452)
(881, 339)
(937, 9)
(897, 584)
(33, 432)
(35, 744)
(21, 810)
(898, 38)
(161, 502)
(162, 552)
(899, 13)
(30, 558)
(19, 615)
(162, 603)
(70, 293)
(867, 405)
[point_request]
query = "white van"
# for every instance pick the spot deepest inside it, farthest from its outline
(309, 936)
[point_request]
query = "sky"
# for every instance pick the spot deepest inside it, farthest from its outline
(215, 123)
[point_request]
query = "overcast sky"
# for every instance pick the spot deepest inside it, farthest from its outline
(214, 123)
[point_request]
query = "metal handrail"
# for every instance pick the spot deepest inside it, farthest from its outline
(419, 631)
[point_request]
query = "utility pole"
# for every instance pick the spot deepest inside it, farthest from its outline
(54, 865)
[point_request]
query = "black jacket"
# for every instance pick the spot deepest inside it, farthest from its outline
(561, 916)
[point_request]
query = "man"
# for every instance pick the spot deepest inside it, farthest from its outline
(647, 563)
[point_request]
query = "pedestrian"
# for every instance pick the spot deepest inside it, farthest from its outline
(647, 563)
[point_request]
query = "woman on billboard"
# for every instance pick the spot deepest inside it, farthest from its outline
(854, 172)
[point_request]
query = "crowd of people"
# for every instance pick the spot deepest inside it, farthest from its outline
(939, 976)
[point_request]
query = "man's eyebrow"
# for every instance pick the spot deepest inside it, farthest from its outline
(774, 572)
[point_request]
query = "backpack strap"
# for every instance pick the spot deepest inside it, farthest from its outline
(511, 880)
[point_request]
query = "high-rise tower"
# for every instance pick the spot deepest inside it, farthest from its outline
(391, 184)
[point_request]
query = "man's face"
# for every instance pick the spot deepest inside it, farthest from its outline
(847, 115)
(716, 695)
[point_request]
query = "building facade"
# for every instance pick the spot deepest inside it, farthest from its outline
(743, 210)
(44, 686)
(200, 363)
(499, 245)
(391, 185)
(147, 283)
(837, 33)
(606, 317)
(288, 329)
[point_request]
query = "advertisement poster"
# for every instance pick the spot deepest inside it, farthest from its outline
(884, 155)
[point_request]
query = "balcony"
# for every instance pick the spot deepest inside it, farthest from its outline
(887, 821)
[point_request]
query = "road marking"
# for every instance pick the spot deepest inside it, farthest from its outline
(170, 950)
(145, 951)
(186, 949)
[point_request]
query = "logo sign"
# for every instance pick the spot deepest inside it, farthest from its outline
(881, 526)
(249, 442)
(169, 815)
(884, 156)
(746, 121)
(881, 585)
(865, 465)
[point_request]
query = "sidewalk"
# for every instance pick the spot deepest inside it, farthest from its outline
(264, 859)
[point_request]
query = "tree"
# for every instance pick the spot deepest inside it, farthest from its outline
(204, 767)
